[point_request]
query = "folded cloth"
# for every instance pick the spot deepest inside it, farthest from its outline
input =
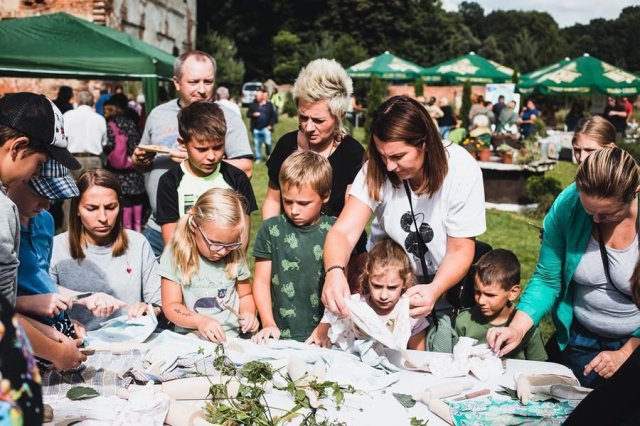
(169, 347)
(540, 387)
(468, 356)
(500, 412)
(123, 329)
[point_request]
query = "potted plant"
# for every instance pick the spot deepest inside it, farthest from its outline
(507, 153)
(484, 153)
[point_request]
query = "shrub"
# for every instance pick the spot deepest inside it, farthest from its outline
(289, 108)
(543, 190)
(375, 97)
(418, 87)
(466, 104)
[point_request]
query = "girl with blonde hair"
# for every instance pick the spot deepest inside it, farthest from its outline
(205, 277)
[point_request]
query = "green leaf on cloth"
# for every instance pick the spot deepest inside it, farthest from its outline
(508, 392)
(404, 399)
(81, 392)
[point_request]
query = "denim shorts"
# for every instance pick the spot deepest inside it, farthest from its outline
(584, 345)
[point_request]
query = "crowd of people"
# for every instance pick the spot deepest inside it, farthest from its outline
(187, 264)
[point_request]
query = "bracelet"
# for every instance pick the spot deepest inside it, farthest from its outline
(332, 267)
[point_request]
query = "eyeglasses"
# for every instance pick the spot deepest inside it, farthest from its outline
(218, 247)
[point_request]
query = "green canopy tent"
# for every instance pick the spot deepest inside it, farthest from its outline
(471, 67)
(63, 46)
(580, 76)
(386, 67)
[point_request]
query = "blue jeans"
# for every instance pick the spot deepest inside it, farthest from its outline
(259, 137)
(444, 131)
(155, 240)
(584, 345)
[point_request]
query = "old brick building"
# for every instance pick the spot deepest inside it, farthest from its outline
(167, 24)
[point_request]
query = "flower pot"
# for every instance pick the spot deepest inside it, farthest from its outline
(484, 154)
(507, 157)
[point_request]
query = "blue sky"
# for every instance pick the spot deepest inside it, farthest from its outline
(565, 12)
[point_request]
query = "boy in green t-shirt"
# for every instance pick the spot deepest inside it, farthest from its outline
(496, 287)
(289, 272)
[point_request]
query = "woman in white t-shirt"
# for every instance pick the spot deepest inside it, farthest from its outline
(447, 205)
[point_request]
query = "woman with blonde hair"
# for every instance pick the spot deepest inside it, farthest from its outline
(588, 253)
(322, 93)
(205, 277)
(104, 265)
(592, 134)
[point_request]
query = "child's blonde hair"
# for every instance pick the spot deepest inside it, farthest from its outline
(224, 206)
(387, 254)
(306, 168)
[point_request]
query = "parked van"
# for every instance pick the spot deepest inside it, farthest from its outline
(249, 90)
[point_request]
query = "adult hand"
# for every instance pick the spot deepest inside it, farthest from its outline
(335, 292)
(320, 336)
(211, 330)
(503, 340)
(101, 304)
(178, 155)
(263, 335)
(422, 300)
(46, 305)
(142, 157)
(606, 363)
(136, 310)
(248, 323)
(68, 356)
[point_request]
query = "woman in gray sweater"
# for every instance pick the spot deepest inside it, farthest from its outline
(99, 256)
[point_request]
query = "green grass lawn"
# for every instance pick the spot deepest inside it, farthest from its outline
(504, 230)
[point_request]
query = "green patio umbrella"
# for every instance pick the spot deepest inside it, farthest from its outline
(471, 67)
(580, 76)
(386, 67)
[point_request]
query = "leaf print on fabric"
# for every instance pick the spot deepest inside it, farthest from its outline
(285, 334)
(275, 280)
(274, 231)
(289, 290)
(325, 226)
(292, 240)
(317, 252)
(287, 313)
(289, 265)
(314, 300)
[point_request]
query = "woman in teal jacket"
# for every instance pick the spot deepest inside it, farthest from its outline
(597, 324)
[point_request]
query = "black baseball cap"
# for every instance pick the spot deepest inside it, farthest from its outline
(38, 118)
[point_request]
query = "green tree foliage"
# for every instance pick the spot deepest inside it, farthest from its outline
(230, 69)
(466, 104)
(287, 56)
(289, 106)
(418, 87)
(472, 15)
(490, 50)
(375, 96)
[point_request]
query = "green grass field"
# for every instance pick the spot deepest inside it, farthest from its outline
(504, 230)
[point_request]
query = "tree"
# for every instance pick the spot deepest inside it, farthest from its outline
(376, 95)
(418, 87)
(287, 56)
(473, 17)
(490, 50)
(466, 104)
(347, 51)
(229, 69)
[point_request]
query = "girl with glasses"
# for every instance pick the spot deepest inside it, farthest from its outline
(205, 277)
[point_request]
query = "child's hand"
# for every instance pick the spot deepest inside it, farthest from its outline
(136, 310)
(262, 337)
(101, 304)
(211, 330)
(320, 336)
(46, 305)
(248, 323)
(81, 332)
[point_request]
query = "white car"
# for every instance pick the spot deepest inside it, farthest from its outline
(249, 90)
